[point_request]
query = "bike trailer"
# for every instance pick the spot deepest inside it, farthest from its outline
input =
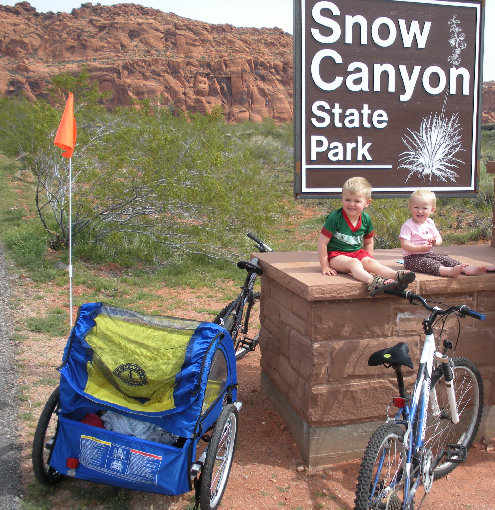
(137, 392)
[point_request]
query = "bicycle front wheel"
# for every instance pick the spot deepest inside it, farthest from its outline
(440, 431)
(380, 481)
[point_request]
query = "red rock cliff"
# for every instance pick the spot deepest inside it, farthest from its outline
(139, 52)
(488, 103)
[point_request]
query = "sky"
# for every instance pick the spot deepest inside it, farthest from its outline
(249, 13)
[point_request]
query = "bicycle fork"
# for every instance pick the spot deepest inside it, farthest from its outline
(449, 386)
(429, 355)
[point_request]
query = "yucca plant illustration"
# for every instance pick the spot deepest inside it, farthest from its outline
(432, 149)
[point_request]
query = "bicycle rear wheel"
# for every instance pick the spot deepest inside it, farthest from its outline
(380, 483)
(440, 431)
(227, 317)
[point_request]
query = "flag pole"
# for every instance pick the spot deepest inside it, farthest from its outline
(70, 239)
(66, 140)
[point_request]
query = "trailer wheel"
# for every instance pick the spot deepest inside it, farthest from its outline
(219, 458)
(43, 441)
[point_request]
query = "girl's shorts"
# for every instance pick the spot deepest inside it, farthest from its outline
(360, 254)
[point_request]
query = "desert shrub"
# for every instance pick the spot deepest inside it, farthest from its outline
(149, 183)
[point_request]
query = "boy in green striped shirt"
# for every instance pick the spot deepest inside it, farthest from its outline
(346, 242)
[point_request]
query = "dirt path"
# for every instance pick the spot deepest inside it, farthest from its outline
(10, 486)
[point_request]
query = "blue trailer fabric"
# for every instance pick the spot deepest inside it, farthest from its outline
(105, 339)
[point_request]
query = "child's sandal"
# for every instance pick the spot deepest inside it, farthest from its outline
(404, 278)
(379, 285)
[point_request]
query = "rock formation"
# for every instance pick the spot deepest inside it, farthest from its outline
(139, 52)
(488, 103)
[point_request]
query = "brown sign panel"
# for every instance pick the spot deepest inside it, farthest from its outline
(389, 90)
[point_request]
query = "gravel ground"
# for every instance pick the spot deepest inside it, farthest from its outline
(10, 478)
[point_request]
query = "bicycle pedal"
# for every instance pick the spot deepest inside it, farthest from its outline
(248, 343)
(455, 453)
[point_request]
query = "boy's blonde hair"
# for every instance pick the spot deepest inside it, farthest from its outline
(357, 185)
(424, 194)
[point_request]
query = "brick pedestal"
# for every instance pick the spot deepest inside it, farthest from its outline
(490, 169)
(317, 333)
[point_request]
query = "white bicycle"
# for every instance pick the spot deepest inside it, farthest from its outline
(433, 428)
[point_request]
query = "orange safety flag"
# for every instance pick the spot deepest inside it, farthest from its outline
(67, 131)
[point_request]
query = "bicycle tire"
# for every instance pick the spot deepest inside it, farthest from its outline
(219, 458)
(440, 431)
(43, 437)
(379, 483)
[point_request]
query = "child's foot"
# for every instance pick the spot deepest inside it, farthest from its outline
(379, 285)
(490, 268)
(474, 270)
(451, 272)
(404, 278)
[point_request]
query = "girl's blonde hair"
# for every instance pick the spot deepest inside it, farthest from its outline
(357, 185)
(424, 194)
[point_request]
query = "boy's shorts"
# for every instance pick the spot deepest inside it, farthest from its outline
(360, 254)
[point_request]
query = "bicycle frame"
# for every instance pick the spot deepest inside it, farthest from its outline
(246, 297)
(413, 417)
(416, 414)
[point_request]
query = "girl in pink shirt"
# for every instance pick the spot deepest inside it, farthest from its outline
(419, 234)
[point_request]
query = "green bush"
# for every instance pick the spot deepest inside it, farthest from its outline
(154, 187)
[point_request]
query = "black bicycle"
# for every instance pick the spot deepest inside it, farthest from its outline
(235, 316)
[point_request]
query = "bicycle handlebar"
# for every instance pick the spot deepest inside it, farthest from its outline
(262, 247)
(412, 297)
(465, 310)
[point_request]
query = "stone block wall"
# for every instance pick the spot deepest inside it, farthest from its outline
(317, 333)
(490, 168)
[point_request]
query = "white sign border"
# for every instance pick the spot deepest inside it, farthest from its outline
(304, 166)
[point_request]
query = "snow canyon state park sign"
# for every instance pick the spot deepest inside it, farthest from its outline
(390, 90)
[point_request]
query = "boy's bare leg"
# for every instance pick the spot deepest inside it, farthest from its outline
(490, 267)
(344, 264)
(373, 266)
(451, 272)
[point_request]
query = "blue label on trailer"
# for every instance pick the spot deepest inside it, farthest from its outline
(119, 460)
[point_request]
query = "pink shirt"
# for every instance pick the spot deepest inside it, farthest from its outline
(418, 233)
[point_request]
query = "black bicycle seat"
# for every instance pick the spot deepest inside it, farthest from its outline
(396, 355)
(253, 268)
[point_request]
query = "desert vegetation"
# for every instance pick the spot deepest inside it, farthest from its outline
(154, 186)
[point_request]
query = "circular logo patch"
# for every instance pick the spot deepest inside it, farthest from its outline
(131, 374)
